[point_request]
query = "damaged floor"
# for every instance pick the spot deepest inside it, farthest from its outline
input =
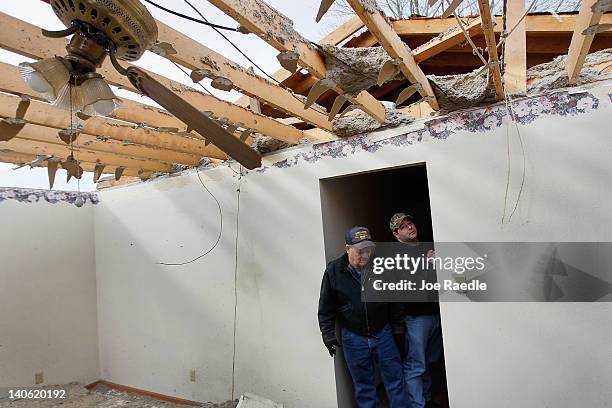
(105, 397)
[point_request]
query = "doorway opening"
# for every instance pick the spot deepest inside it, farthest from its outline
(370, 199)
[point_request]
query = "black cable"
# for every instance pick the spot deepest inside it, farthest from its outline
(187, 73)
(251, 61)
(218, 237)
(236, 284)
(205, 22)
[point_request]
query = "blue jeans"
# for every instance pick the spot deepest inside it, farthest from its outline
(358, 352)
(424, 346)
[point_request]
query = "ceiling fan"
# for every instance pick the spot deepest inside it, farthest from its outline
(123, 30)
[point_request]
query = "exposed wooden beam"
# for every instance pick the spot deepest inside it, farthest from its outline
(22, 145)
(536, 25)
(446, 41)
(45, 134)
(193, 55)
(515, 49)
(489, 34)
(179, 148)
(26, 39)
(21, 158)
(581, 43)
(54, 119)
(277, 30)
(340, 34)
(395, 47)
(344, 31)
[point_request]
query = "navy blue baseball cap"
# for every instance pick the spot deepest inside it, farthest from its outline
(358, 237)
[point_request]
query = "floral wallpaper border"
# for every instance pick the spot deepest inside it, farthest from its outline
(525, 111)
(27, 195)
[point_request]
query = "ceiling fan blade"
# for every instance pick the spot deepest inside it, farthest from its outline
(195, 119)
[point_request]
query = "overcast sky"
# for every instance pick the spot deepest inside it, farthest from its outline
(36, 12)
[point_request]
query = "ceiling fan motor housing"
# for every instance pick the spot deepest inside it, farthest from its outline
(126, 23)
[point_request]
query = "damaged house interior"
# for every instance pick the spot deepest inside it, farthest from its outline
(189, 271)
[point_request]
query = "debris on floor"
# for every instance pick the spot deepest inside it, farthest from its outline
(354, 69)
(266, 144)
(361, 122)
(249, 400)
(463, 91)
(104, 397)
(552, 75)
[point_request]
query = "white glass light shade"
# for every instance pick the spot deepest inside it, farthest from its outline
(46, 77)
(98, 98)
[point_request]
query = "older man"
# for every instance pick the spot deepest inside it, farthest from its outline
(423, 332)
(367, 329)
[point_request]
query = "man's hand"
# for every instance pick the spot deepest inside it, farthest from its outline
(400, 342)
(331, 344)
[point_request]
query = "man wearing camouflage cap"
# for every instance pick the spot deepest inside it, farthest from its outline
(423, 332)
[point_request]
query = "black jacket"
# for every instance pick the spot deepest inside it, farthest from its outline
(340, 300)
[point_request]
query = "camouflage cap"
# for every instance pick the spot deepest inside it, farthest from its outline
(396, 220)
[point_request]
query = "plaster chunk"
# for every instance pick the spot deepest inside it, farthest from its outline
(553, 74)
(361, 122)
(455, 92)
(355, 69)
(266, 144)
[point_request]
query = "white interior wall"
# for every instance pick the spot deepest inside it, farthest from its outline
(47, 294)
(158, 322)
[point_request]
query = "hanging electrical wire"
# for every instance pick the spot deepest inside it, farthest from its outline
(236, 284)
(218, 236)
(186, 17)
(279, 83)
(187, 73)
(510, 109)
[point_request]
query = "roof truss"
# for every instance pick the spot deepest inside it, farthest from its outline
(277, 30)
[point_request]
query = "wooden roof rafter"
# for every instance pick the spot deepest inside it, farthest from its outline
(395, 47)
(345, 30)
(9, 156)
(582, 38)
(26, 39)
(194, 55)
(489, 34)
(277, 30)
(37, 117)
(535, 25)
(171, 148)
(515, 49)
(26, 142)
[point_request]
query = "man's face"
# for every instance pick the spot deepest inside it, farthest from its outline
(358, 258)
(407, 231)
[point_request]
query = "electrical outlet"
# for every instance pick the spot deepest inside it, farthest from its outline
(38, 377)
(192, 375)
